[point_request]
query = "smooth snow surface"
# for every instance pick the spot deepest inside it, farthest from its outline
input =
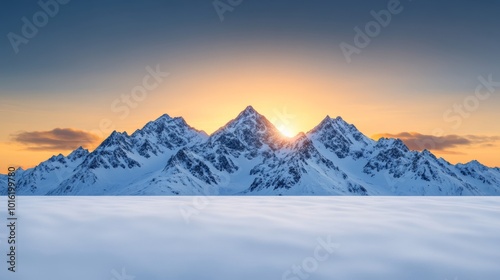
(82, 238)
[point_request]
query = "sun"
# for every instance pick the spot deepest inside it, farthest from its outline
(286, 131)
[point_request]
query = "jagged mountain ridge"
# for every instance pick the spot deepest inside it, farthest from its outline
(249, 156)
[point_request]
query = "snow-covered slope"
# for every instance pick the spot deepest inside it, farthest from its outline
(249, 156)
(122, 159)
(50, 173)
(300, 169)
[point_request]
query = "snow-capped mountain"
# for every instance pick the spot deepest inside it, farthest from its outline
(42, 178)
(300, 169)
(249, 156)
(121, 158)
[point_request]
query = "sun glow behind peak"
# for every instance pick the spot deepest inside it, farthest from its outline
(286, 131)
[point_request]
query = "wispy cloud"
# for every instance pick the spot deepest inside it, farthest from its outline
(56, 139)
(418, 141)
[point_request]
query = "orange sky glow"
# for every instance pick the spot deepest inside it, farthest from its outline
(294, 92)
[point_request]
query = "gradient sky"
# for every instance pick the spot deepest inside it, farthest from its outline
(282, 57)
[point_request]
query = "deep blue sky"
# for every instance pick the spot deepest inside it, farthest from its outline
(93, 36)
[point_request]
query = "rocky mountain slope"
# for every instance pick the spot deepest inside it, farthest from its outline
(249, 156)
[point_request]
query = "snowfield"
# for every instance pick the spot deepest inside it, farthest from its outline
(186, 238)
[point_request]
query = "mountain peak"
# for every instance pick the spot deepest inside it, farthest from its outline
(393, 142)
(164, 117)
(249, 111)
(248, 129)
(160, 123)
(476, 164)
(337, 119)
(115, 135)
(247, 117)
(79, 152)
(180, 121)
(114, 139)
(337, 124)
(339, 137)
(249, 108)
(56, 158)
(250, 156)
(326, 120)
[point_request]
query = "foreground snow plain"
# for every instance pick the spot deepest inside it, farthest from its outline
(255, 238)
